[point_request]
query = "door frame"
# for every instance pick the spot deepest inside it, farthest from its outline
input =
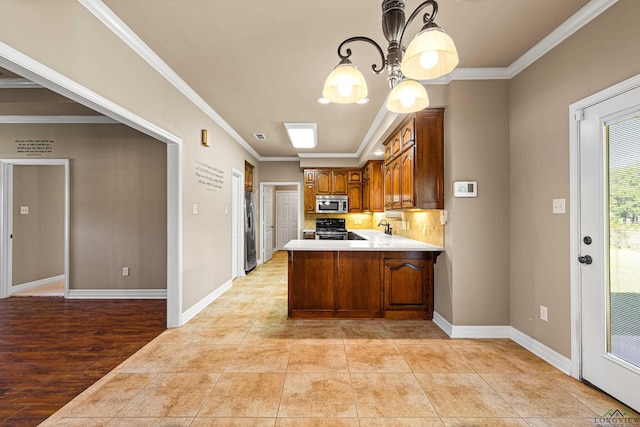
(300, 213)
(576, 112)
(6, 218)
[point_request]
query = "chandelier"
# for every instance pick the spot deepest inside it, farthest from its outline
(431, 54)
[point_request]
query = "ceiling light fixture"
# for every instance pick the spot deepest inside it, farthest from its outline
(431, 54)
(302, 135)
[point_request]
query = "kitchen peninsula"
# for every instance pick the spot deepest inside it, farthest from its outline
(381, 276)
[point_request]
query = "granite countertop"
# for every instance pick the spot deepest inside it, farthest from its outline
(374, 241)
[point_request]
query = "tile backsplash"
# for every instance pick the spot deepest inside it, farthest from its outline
(423, 225)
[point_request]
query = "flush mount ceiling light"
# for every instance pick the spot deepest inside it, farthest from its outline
(302, 135)
(431, 54)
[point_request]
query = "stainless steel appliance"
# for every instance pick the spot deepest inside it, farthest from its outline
(331, 229)
(249, 233)
(332, 204)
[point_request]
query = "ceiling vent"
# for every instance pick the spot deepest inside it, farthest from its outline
(260, 136)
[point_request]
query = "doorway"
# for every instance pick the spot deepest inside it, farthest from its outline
(606, 240)
(293, 187)
(18, 270)
(286, 217)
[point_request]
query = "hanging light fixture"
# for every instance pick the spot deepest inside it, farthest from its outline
(430, 55)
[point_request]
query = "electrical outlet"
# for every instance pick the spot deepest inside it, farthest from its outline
(558, 206)
(24, 210)
(543, 313)
(125, 271)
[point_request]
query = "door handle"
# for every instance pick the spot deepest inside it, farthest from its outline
(585, 259)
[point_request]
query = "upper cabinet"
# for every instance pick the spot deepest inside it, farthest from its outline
(248, 176)
(414, 162)
(363, 186)
(331, 181)
(309, 191)
(372, 187)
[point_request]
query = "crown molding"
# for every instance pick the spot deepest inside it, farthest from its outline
(7, 83)
(579, 19)
(131, 39)
(328, 155)
(57, 119)
(585, 15)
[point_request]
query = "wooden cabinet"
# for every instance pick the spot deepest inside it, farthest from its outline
(309, 191)
(248, 176)
(353, 284)
(324, 179)
(414, 162)
(339, 182)
(408, 285)
(355, 197)
(372, 187)
(355, 176)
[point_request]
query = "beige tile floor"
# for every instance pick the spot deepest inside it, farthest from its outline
(241, 362)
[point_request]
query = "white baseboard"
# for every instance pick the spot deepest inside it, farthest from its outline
(117, 294)
(46, 281)
(189, 314)
(542, 351)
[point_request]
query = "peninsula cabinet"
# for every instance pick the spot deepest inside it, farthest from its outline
(361, 284)
(414, 162)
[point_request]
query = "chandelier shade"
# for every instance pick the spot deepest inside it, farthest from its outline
(431, 54)
(408, 96)
(345, 85)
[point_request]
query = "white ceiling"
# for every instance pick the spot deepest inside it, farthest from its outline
(259, 64)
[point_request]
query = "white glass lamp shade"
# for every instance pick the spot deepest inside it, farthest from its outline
(431, 54)
(408, 96)
(345, 85)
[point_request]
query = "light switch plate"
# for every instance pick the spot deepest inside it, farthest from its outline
(24, 210)
(194, 209)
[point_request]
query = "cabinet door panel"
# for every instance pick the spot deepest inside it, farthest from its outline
(355, 197)
(359, 288)
(323, 181)
(311, 279)
(309, 198)
(405, 283)
(407, 183)
(388, 190)
(396, 189)
(340, 182)
(366, 197)
(407, 134)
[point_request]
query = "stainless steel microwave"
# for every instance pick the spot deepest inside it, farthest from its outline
(332, 204)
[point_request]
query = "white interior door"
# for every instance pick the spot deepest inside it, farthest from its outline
(609, 215)
(286, 217)
(268, 222)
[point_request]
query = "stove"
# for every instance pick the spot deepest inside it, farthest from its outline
(331, 229)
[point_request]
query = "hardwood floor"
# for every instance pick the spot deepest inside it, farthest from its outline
(51, 349)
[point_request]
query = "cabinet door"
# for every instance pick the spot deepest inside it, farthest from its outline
(407, 134)
(376, 187)
(310, 176)
(388, 187)
(407, 176)
(396, 189)
(355, 176)
(406, 284)
(396, 144)
(340, 182)
(355, 197)
(359, 287)
(366, 196)
(323, 182)
(311, 292)
(309, 198)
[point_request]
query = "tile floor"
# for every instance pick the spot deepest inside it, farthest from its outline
(241, 362)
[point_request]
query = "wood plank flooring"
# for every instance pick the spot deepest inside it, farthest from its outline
(51, 349)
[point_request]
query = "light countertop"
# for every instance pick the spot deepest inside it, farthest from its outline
(375, 241)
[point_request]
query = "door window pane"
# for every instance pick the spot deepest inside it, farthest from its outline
(624, 240)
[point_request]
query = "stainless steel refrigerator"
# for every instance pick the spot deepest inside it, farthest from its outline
(249, 232)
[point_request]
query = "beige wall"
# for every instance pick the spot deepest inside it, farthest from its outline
(82, 49)
(38, 237)
(118, 201)
(600, 55)
(472, 276)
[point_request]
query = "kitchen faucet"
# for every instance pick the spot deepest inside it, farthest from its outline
(387, 226)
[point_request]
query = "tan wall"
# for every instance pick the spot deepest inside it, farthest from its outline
(118, 201)
(603, 53)
(81, 48)
(472, 276)
(38, 237)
